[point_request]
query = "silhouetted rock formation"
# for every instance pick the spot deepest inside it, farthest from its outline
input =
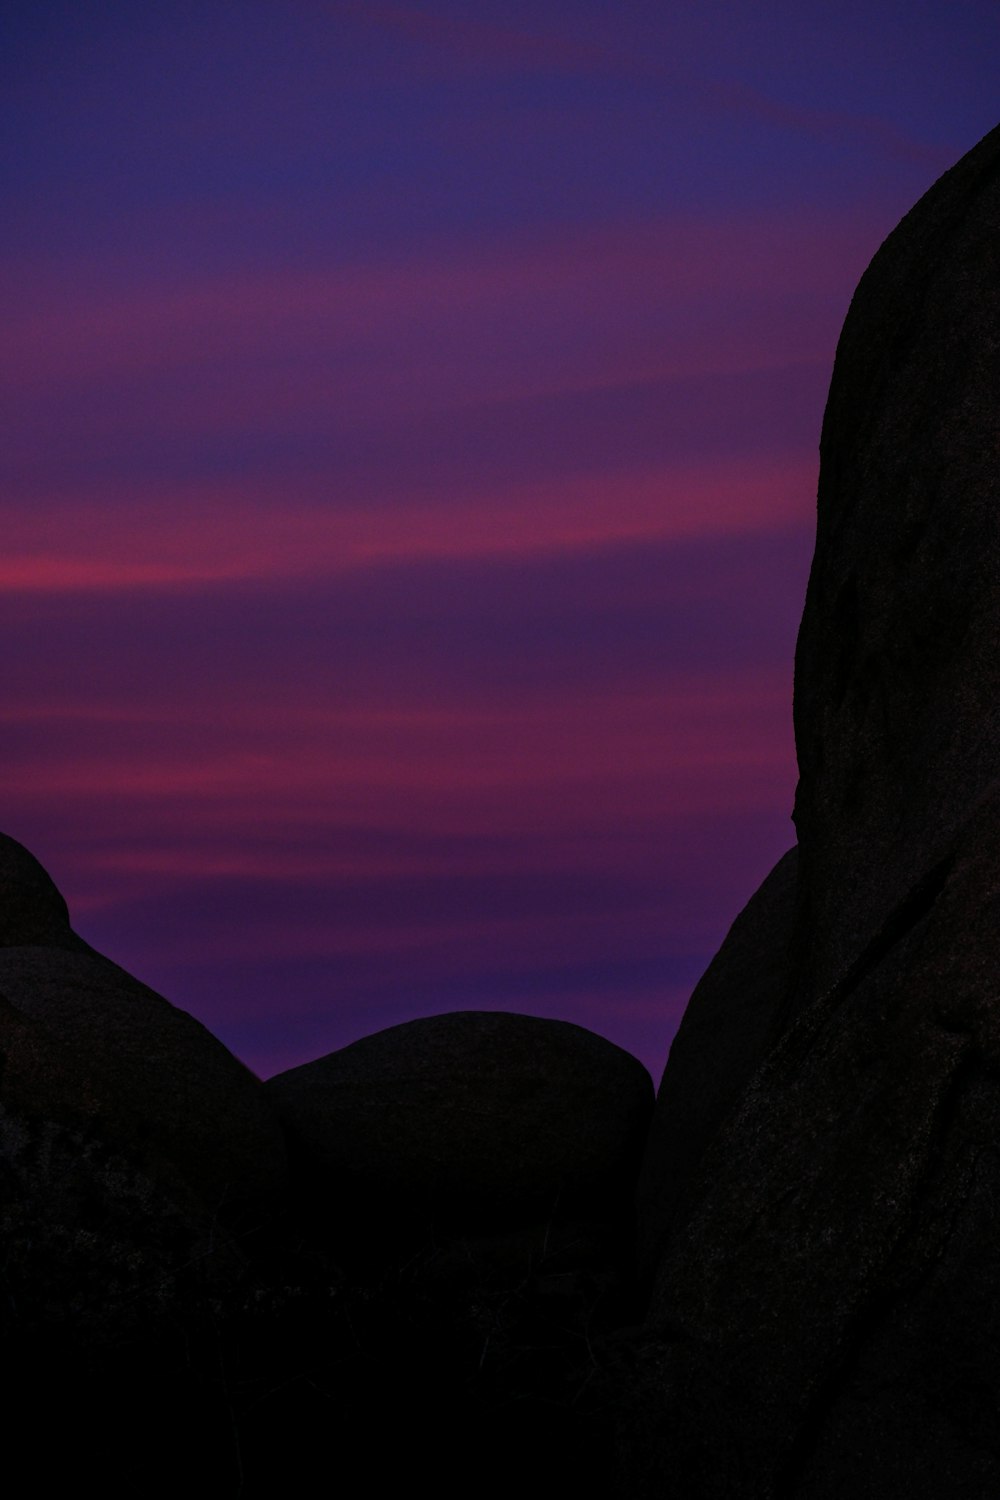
(459, 1238)
(99, 1234)
(31, 909)
(111, 1259)
(826, 1315)
(726, 1032)
(897, 679)
(128, 1130)
(191, 1103)
(480, 1119)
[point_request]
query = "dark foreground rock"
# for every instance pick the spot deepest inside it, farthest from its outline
(476, 1118)
(897, 679)
(175, 1311)
(112, 1277)
(32, 910)
(727, 1031)
(98, 1232)
(494, 1157)
(824, 1320)
(189, 1100)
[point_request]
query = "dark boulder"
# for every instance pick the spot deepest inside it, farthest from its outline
(897, 677)
(477, 1117)
(135, 1153)
(120, 1290)
(838, 1276)
(191, 1103)
(102, 1237)
(824, 1318)
(725, 1034)
(474, 1172)
(31, 908)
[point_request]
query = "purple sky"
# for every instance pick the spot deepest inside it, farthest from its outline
(409, 475)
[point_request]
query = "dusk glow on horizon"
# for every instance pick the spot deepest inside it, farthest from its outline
(409, 479)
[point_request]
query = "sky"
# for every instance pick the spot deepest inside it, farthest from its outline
(409, 464)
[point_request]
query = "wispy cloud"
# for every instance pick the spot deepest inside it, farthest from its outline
(226, 535)
(478, 46)
(54, 334)
(878, 134)
(476, 43)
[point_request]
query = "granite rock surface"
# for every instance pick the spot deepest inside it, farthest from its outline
(726, 1033)
(479, 1117)
(174, 1308)
(897, 674)
(191, 1102)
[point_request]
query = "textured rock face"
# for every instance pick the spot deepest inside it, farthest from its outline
(897, 682)
(96, 1233)
(832, 1301)
(725, 1034)
(187, 1096)
(461, 1244)
(183, 1098)
(118, 1285)
(824, 1319)
(474, 1114)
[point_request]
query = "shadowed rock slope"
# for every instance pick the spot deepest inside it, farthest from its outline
(453, 1238)
(474, 1120)
(723, 1038)
(825, 1319)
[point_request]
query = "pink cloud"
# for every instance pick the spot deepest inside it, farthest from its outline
(58, 333)
(554, 764)
(828, 124)
(235, 532)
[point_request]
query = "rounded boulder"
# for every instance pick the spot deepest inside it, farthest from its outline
(473, 1114)
(187, 1098)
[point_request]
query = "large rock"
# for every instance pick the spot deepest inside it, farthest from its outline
(825, 1315)
(189, 1103)
(897, 678)
(838, 1276)
(728, 1026)
(122, 1294)
(102, 1237)
(31, 908)
(188, 1098)
(135, 1153)
(473, 1116)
